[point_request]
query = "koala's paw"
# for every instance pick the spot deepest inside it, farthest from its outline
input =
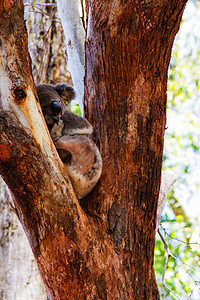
(56, 131)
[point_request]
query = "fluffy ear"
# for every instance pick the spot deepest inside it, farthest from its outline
(66, 92)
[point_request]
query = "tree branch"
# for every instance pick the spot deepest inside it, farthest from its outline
(71, 15)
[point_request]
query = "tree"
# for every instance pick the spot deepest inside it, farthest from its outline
(18, 271)
(47, 44)
(101, 247)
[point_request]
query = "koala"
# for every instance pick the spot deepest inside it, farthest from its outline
(71, 136)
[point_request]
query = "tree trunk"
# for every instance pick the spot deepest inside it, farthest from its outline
(71, 14)
(103, 248)
(46, 41)
(19, 277)
(128, 50)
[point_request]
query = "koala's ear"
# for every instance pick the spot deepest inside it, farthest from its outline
(66, 92)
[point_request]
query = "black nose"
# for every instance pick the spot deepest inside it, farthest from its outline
(56, 107)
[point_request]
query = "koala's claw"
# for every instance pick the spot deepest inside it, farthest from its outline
(56, 131)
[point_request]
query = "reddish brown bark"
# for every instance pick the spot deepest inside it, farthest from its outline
(105, 252)
(128, 50)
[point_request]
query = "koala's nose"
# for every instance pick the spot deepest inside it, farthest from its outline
(56, 108)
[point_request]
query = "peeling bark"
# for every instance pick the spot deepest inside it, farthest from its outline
(103, 248)
(19, 275)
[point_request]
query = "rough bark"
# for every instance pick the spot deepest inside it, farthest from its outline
(128, 49)
(105, 252)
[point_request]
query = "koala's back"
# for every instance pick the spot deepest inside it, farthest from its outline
(75, 124)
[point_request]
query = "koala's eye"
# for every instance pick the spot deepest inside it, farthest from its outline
(56, 107)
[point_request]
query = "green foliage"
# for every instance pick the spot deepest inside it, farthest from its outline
(182, 154)
(75, 108)
(183, 269)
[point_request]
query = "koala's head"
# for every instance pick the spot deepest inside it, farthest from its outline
(54, 100)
